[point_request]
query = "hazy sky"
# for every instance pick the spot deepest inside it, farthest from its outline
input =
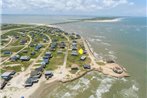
(75, 7)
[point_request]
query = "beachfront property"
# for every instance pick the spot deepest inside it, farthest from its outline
(48, 74)
(50, 52)
(83, 58)
(8, 74)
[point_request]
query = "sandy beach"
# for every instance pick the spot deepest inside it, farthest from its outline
(106, 20)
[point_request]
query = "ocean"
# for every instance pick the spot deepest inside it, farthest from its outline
(124, 41)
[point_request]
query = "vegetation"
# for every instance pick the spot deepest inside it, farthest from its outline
(12, 26)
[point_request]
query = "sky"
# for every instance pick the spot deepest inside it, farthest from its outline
(75, 7)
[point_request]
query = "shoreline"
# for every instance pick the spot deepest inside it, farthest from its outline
(106, 20)
(44, 84)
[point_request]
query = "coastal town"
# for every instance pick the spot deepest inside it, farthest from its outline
(36, 54)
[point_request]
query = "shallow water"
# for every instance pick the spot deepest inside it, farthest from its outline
(124, 41)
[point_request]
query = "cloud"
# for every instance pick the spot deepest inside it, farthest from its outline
(66, 5)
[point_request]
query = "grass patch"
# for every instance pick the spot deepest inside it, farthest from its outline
(55, 61)
(76, 60)
(16, 68)
(100, 63)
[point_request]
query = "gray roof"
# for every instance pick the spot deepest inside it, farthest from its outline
(24, 57)
(6, 74)
(74, 53)
(83, 57)
(48, 53)
(48, 72)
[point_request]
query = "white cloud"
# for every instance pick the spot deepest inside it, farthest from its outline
(67, 5)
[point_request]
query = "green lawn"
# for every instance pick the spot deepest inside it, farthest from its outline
(16, 68)
(55, 61)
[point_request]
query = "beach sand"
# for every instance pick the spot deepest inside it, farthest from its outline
(107, 20)
(44, 89)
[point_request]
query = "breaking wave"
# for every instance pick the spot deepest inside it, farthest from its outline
(130, 92)
(104, 87)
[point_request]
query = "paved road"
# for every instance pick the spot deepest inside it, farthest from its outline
(19, 50)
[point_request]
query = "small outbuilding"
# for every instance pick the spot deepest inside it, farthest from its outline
(15, 58)
(83, 58)
(7, 52)
(48, 74)
(86, 66)
(24, 58)
(74, 53)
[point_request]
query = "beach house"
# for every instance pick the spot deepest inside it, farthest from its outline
(83, 58)
(48, 74)
(28, 82)
(15, 58)
(35, 73)
(74, 53)
(86, 66)
(24, 58)
(8, 75)
(62, 45)
(7, 52)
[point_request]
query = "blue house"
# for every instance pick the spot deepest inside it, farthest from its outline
(15, 58)
(8, 75)
(43, 64)
(48, 54)
(46, 61)
(7, 52)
